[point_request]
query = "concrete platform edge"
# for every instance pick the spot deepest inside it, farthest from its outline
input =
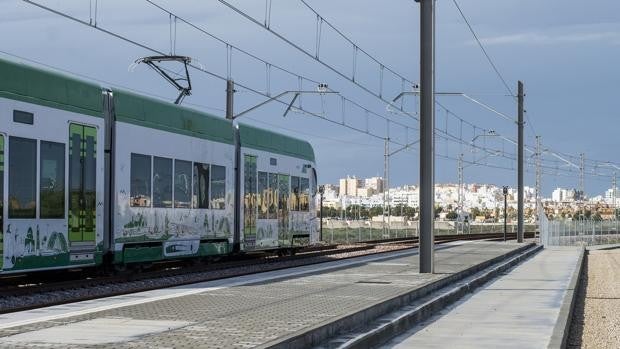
(408, 320)
(321, 332)
(561, 331)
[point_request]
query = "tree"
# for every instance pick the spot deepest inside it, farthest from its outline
(438, 210)
(475, 212)
(452, 215)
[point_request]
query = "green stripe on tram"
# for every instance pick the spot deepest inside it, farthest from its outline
(25, 83)
(257, 138)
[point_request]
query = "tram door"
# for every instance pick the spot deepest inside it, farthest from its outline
(82, 186)
(1, 200)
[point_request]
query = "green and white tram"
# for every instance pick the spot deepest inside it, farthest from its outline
(92, 176)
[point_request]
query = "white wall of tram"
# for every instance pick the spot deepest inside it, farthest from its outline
(181, 228)
(298, 221)
(49, 125)
(185, 225)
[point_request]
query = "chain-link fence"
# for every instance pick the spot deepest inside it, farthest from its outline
(579, 232)
(339, 231)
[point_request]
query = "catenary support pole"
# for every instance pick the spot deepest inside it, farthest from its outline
(505, 212)
(321, 192)
(230, 93)
(385, 184)
(427, 138)
(521, 145)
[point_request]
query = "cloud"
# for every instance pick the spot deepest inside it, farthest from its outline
(612, 37)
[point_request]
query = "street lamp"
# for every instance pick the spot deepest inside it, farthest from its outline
(505, 191)
(321, 193)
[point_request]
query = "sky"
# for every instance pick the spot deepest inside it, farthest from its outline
(565, 51)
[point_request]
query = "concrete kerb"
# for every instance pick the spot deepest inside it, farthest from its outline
(604, 247)
(427, 309)
(561, 331)
(317, 334)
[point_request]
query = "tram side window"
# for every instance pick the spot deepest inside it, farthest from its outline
(140, 180)
(294, 193)
(273, 195)
(201, 186)
(52, 180)
(162, 182)
(283, 199)
(182, 183)
(263, 195)
(304, 189)
(218, 187)
(22, 177)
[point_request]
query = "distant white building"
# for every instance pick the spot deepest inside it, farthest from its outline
(374, 183)
(349, 185)
(609, 196)
(563, 195)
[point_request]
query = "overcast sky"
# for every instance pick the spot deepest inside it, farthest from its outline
(565, 51)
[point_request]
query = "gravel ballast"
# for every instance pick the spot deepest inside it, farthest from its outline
(596, 321)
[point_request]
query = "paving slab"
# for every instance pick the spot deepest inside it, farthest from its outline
(524, 308)
(244, 312)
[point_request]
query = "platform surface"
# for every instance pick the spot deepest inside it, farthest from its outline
(518, 310)
(239, 312)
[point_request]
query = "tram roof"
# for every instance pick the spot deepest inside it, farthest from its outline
(261, 139)
(19, 81)
(166, 116)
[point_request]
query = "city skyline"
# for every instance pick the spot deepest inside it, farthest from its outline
(562, 192)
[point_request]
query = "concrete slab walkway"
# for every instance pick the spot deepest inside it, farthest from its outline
(519, 310)
(263, 310)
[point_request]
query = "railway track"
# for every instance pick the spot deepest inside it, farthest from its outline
(23, 294)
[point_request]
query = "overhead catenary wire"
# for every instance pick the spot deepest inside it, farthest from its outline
(493, 65)
(215, 75)
(486, 54)
(171, 14)
(263, 61)
(357, 47)
(474, 163)
(318, 59)
(223, 78)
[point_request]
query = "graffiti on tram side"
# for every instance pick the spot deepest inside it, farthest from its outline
(274, 233)
(266, 233)
(162, 224)
(34, 246)
(301, 223)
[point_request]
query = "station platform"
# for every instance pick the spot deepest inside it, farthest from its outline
(297, 307)
(526, 308)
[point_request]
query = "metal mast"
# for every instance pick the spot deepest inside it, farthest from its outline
(459, 223)
(520, 166)
(427, 136)
(582, 192)
(613, 192)
(385, 181)
(538, 176)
